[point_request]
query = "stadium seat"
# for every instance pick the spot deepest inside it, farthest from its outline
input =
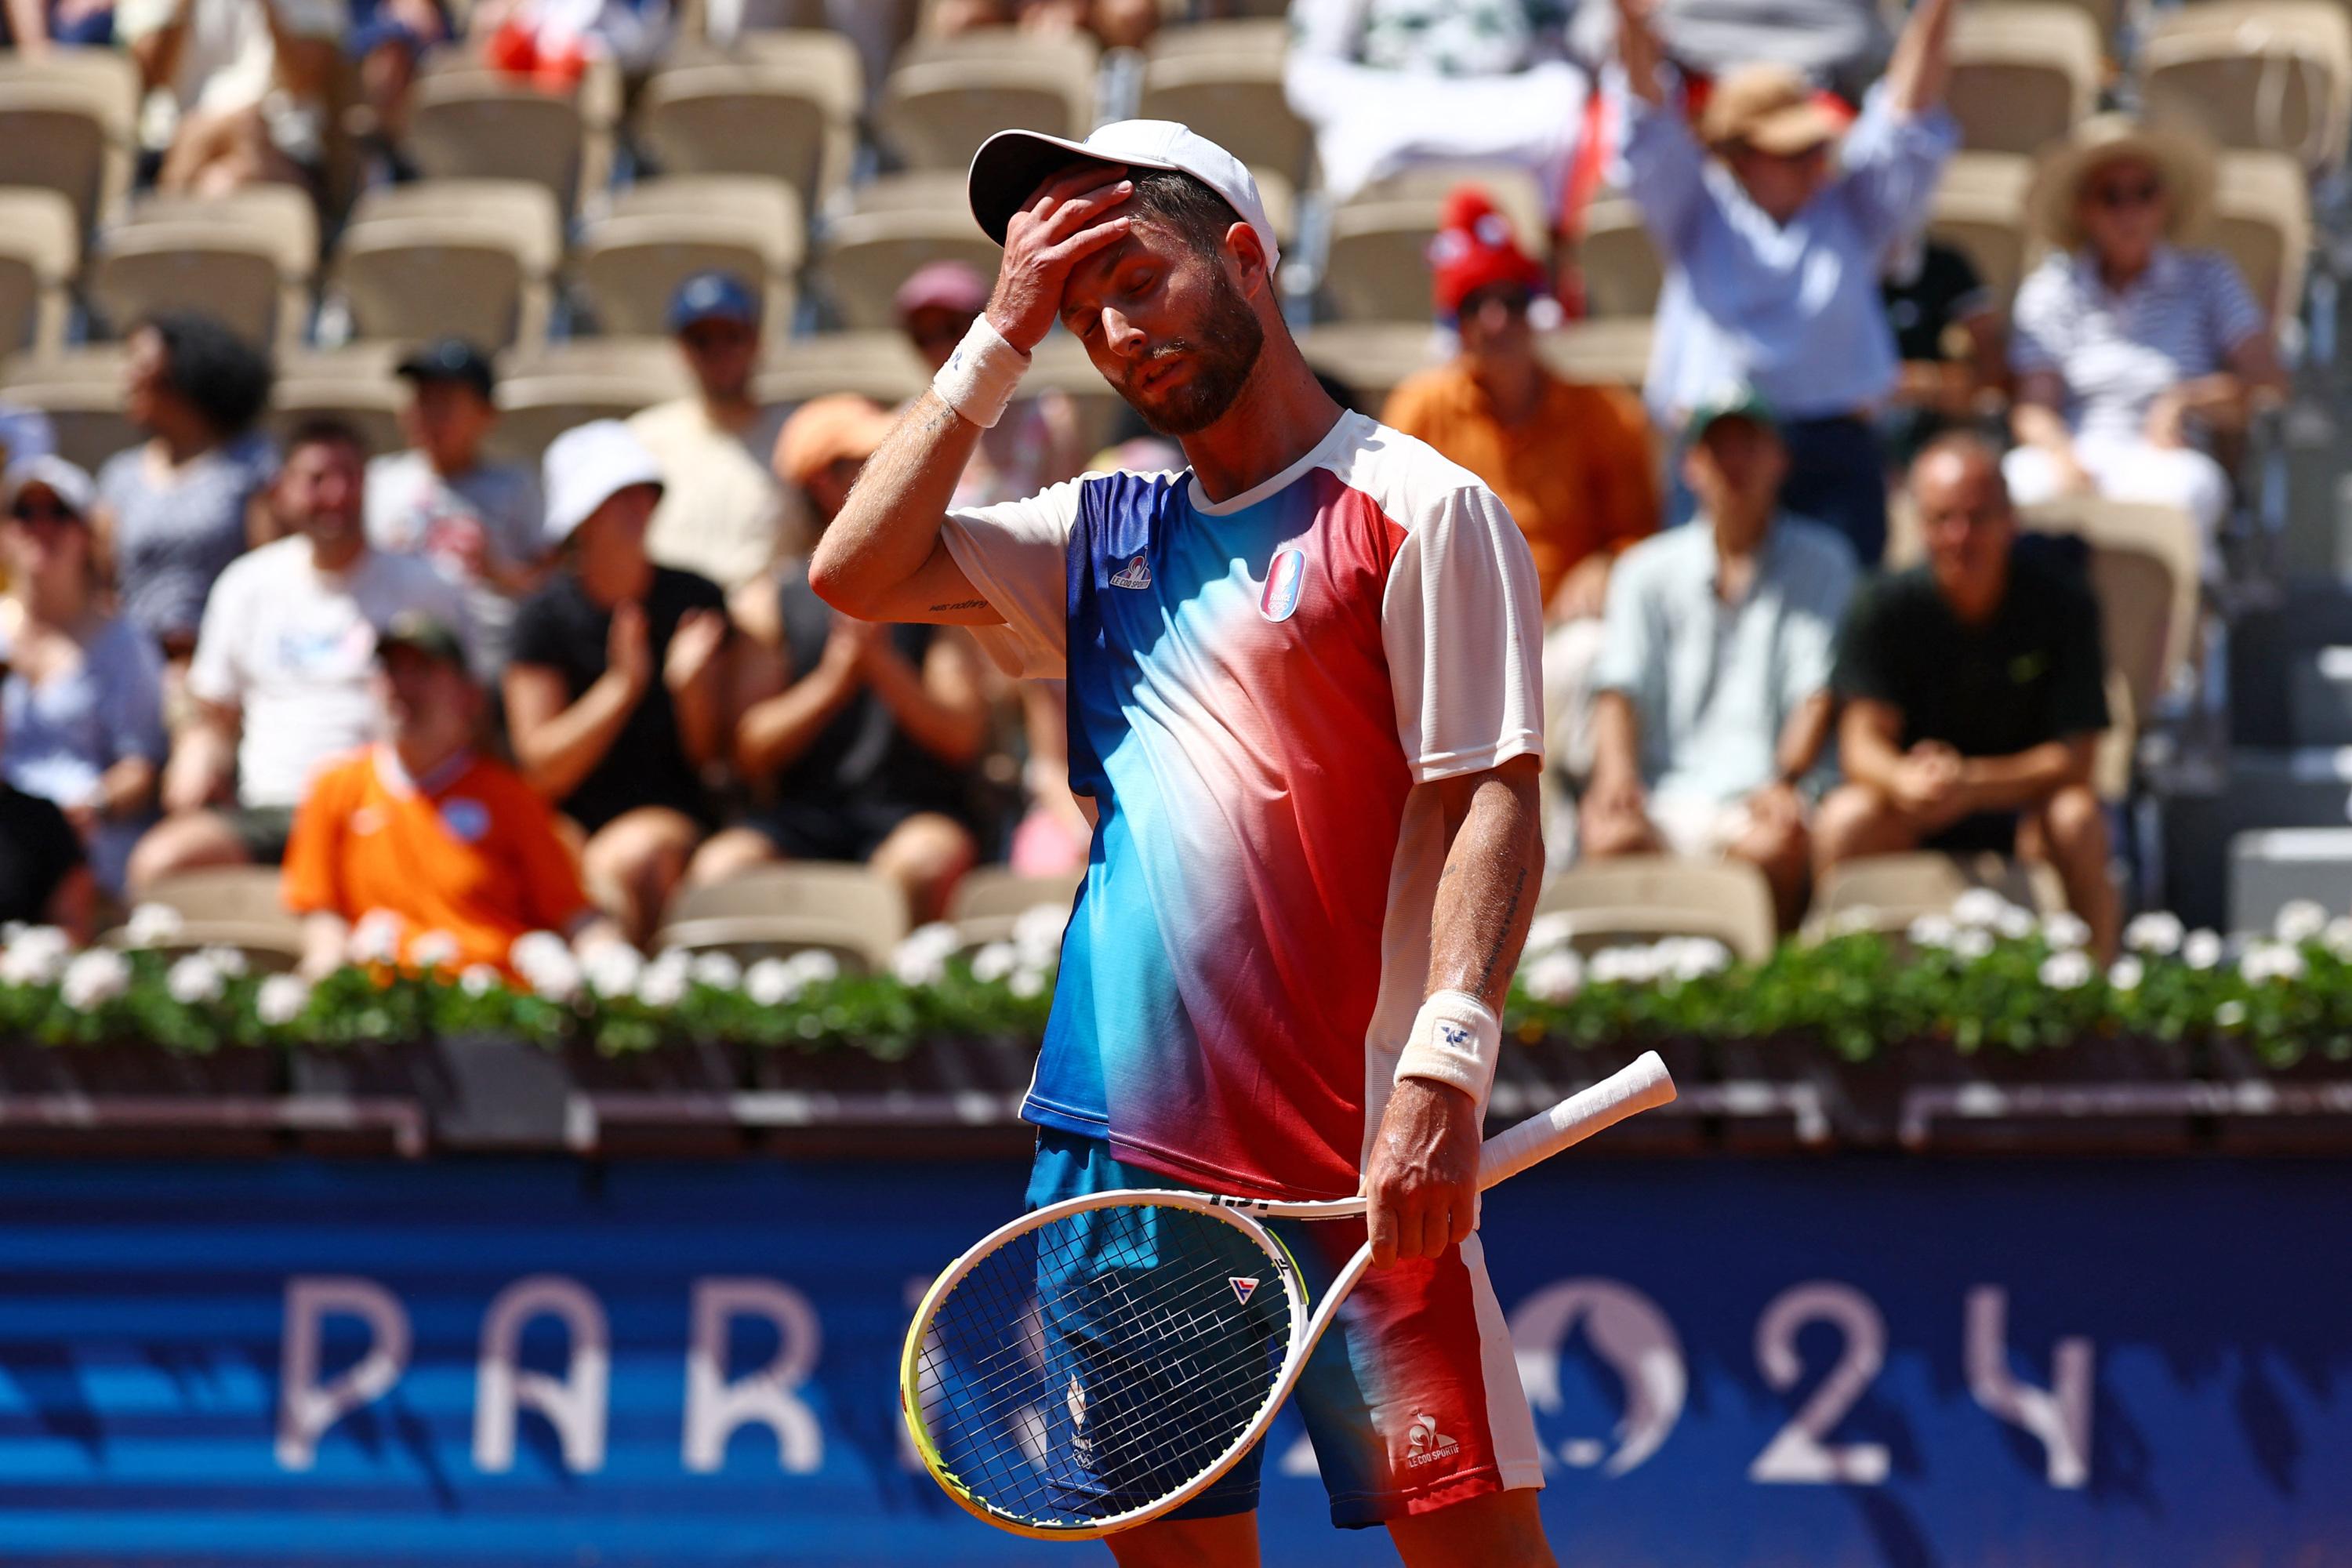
(989, 901)
(1615, 351)
(899, 224)
(1235, 92)
(1979, 210)
(67, 123)
(355, 385)
(1623, 273)
(549, 393)
(1886, 893)
(1060, 365)
(39, 252)
(250, 256)
(658, 233)
(1377, 265)
(857, 915)
(80, 389)
(239, 907)
(2270, 868)
(882, 365)
(783, 104)
(2022, 74)
(470, 258)
(476, 124)
(2263, 220)
(2267, 74)
(945, 96)
(1643, 897)
(1371, 357)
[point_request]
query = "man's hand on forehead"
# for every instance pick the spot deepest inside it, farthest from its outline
(1070, 219)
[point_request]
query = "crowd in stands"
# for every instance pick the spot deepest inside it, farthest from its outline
(499, 699)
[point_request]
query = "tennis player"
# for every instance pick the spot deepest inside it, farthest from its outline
(1305, 707)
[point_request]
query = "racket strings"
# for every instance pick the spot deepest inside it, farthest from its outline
(1098, 1362)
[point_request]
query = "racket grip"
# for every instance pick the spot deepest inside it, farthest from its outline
(1636, 1087)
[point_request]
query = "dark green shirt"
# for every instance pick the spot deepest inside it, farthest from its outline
(2032, 674)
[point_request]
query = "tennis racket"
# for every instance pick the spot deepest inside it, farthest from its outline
(1100, 1362)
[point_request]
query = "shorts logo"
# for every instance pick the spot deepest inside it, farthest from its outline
(1425, 1445)
(1243, 1287)
(1136, 574)
(1283, 579)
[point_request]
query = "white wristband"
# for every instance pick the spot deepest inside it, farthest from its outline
(979, 377)
(1456, 1040)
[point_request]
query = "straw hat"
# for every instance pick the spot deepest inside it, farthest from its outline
(2183, 163)
(1770, 108)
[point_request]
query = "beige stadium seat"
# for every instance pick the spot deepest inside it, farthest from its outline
(2022, 74)
(355, 385)
(1371, 357)
(900, 224)
(656, 235)
(989, 901)
(67, 123)
(945, 96)
(881, 365)
(1619, 262)
(1645, 897)
(1235, 98)
(2263, 220)
(2267, 74)
(856, 914)
(535, 409)
(1610, 352)
(467, 257)
(1886, 893)
(784, 105)
(249, 255)
(1979, 210)
(487, 125)
(240, 907)
(1377, 265)
(39, 252)
(1060, 365)
(80, 389)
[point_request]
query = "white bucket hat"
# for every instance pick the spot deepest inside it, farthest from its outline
(61, 479)
(1011, 165)
(587, 465)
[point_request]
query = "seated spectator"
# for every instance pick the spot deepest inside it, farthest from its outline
(176, 511)
(1116, 24)
(238, 92)
(863, 735)
(1388, 84)
(279, 682)
(1948, 336)
(84, 693)
(1975, 693)
(552, 41)
(1038, 442)
(388, 38)
(423, 825)
(44, 880)
(721, 515)
(1571, 462)
(31, 26)
(2132, 351)
(1773, 236)
(616, 694)
(1715, 668)
(476, 519)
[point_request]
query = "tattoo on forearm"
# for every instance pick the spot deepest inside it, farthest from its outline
(1503, 933)
(960, 604)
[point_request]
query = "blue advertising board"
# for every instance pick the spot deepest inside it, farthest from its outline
(1895, 1362)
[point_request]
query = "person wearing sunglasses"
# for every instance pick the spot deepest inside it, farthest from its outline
(2134, 351)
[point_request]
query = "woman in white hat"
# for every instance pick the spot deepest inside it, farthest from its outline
(2132, 351)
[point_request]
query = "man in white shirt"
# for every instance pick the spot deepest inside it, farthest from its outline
(281, 678)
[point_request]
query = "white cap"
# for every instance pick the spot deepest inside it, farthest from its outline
(1011, 165)
(68, 482)
(587, 465)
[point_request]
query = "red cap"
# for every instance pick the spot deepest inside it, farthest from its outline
(1475, 249)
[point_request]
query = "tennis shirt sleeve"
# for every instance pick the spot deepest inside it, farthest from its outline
(1462, 622)
(1017, 556)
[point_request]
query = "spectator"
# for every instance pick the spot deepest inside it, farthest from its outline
(31, 26)
(424, 826)
(2132, 353)
(1773, 251)
(475, 520)
(388, 38)
(43, 878)
(84, 691)
(280, 676)
(1947, 337)
(177, 510)
(721, 515)
(552, 41)
(1038, 442)
(616, 694)
(1715, 669)
(866, 733)
(1571, 462)
(1116, 24)
(238, 91)
(1975, 695)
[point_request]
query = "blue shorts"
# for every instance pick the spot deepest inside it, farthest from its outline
(1412, 1400)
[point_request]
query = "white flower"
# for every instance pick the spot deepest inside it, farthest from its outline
(2158, 931)
(376, 938)
(1970, 943)
(2015, 923)
(1026, 982)
(2065, 931)
(2267, 960)
(1556, 977)
(1979, 907)
(662, 983)
(719, 970)
(152, 925)
(2337, 937)
(922, 958)
(195, 979)
(813, 966)
(1935, 931)
(769, 983)
(2299, 920)
(94, 978)
(1038, 933)
(2127, 973)
(611, 968)
(1690, 957)
(1623, 965)
(1860, 918)
(2200, 949)
(480, 980)
(2230, 1015)
(994, 962)
(534, 949)
(229, 961)
(281, 999)
(434, 950)
(1548, 932)
(2068, 971)
(36, 955)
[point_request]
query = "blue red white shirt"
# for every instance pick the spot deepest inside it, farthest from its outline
(1255, 688)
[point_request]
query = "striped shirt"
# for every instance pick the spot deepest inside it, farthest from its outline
(2117, 352)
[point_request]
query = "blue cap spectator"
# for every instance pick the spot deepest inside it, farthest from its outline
(713, 295)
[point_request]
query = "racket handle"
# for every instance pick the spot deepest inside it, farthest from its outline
(1636, 1087)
